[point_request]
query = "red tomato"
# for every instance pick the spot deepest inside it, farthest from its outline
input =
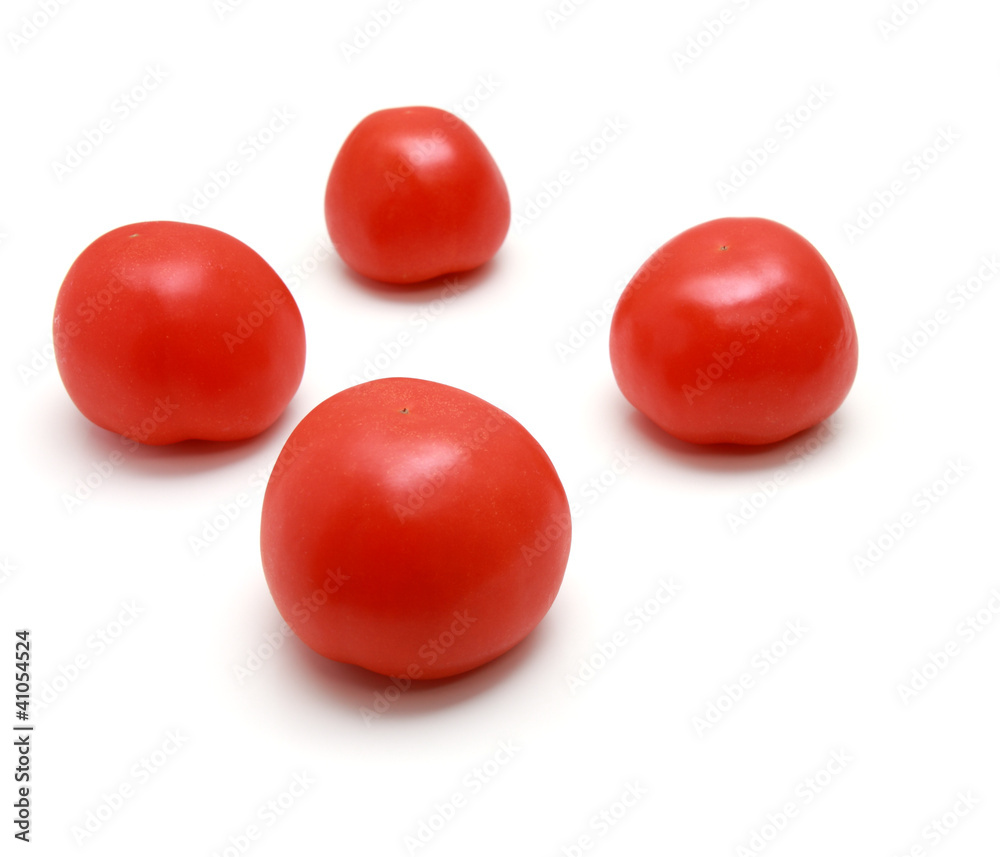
(735, 331)
(414, 194)
(170, 331)
(413, 529)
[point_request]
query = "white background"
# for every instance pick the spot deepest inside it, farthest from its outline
(552, 86)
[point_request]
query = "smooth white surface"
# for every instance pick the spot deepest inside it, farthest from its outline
(551, 88)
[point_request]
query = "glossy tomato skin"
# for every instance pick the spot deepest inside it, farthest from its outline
(413, 529)
(171, 331)
(414, 194)
(734, 331)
